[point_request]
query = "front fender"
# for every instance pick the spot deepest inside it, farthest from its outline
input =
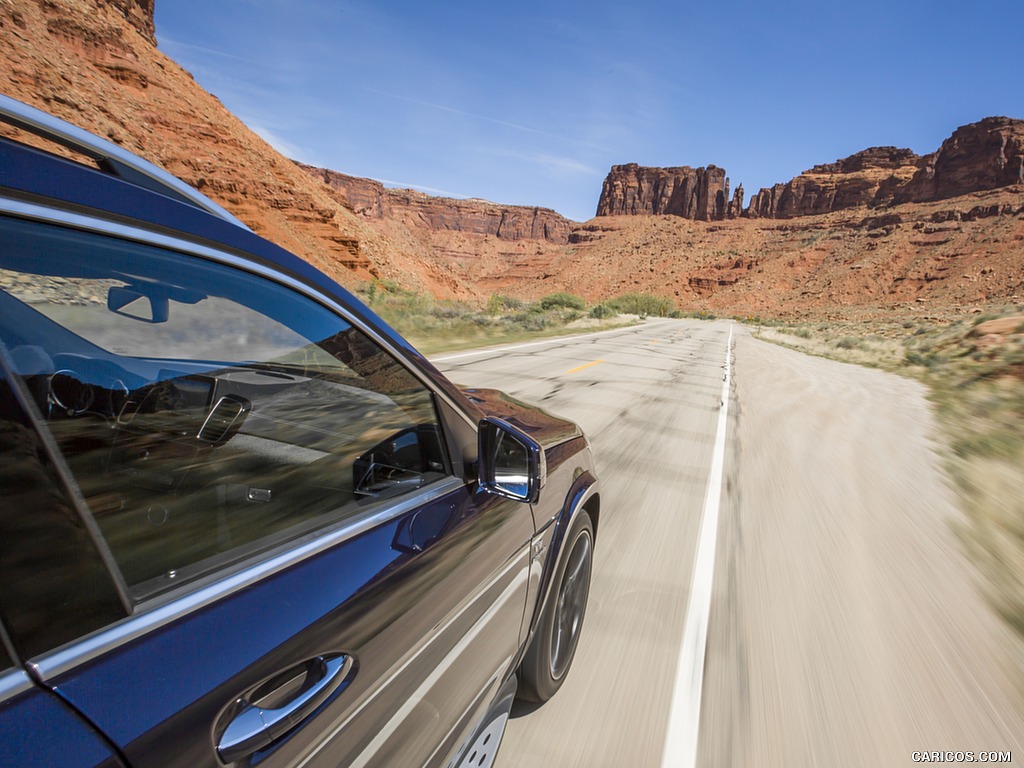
(583, 494)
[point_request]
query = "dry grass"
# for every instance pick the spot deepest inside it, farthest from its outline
(433, 325)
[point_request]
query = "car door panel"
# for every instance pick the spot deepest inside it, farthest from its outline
(418, 626)
(38, 730)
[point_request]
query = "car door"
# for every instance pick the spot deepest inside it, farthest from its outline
(297, 571)
(40, 555)
(38, 730)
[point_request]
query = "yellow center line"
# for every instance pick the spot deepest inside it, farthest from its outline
(581, 367)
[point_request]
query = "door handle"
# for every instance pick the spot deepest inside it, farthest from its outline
(254, 727)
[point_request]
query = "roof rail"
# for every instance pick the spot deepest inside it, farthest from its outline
(110, 157)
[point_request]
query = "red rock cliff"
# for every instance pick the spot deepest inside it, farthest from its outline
(692, 193)
(95, 64)
(985, 155)
(371, 199)
(867, 178)
(980, 156)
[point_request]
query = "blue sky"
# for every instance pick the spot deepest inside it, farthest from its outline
(531, 103)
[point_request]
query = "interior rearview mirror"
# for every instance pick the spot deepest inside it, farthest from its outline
(158, 305)
(154, 299)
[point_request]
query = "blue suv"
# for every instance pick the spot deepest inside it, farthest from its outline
(243, 522)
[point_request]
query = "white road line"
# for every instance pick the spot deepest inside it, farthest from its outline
(497, 350)
(684, 714)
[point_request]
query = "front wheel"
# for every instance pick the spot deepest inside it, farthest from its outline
(553, 647)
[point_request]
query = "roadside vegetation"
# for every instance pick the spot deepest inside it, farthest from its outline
(974, 370)
(435, 325)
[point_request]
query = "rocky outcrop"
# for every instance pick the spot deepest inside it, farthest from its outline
(735, 209)
(692, 193)
(764, 204)
(362, 196)
(95, 64)
(371, 199)
(867, 178)
(985, 155)
(138, 13)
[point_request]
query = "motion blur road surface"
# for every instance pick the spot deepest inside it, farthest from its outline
(846, 625)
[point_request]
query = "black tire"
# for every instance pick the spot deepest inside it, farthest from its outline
(553, 647)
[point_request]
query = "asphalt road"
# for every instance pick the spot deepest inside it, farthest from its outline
(845, 625)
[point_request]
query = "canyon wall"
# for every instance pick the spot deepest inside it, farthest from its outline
(95, 64)
(692, 193)
(373, 200)
(985, 155)
(866, 178)
(981, 156)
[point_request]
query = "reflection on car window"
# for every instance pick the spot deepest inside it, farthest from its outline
(48, 562)
(511, 465)
(206, 413)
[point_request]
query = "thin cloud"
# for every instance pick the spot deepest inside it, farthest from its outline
(202, 49)
(485, 118)
(286, 148)
(421, 188)
(568, 166)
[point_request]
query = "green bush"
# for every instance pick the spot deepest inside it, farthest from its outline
(499, 303)
(641, 304)
(562, 301)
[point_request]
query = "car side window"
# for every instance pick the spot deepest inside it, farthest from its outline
(55, 585)
(207, 413)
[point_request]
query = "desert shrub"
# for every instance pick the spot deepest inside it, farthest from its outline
(601, 311)
(642, 304)
(561, 301)
(499, 303)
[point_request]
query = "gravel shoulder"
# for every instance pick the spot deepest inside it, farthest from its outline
(848, 626)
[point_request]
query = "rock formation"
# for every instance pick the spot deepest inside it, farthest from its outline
(692, 193)
(985, 155)
(371, 199)
(866, 178)
(95, 63)
(882, 231)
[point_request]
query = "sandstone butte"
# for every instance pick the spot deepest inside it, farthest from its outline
(882, 233)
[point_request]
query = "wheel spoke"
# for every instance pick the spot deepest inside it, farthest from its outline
(569, 608)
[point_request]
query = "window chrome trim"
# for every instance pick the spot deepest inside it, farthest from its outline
(63, 660)
(156, 179)
(14, 682)
(51, 215)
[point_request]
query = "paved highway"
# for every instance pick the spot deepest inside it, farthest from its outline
(843, 624)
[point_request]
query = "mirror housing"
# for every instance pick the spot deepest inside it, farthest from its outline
(156, 295)
(510, 463)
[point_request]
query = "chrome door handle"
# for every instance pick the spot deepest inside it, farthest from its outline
(254, 727)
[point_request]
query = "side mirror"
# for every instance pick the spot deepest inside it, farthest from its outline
(511, 464)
